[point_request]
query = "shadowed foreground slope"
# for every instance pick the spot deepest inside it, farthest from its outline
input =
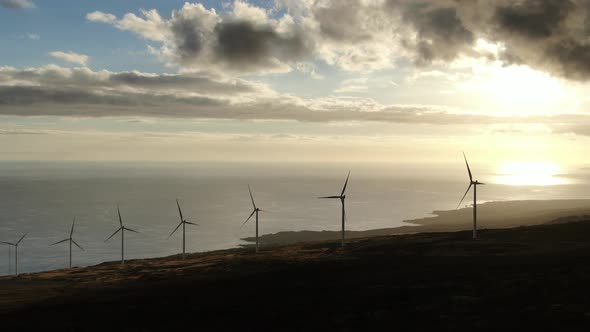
(529, 278)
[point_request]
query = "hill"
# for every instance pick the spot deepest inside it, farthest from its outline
(524, 278)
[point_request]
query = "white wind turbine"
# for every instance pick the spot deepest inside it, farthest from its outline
(183, 222)
(474, 184)
(342, 197)
(70, 240)
(15, 245)
(255, 211)
(121, 229)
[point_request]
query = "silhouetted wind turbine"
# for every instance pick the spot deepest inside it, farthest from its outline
(15, 245)
(342, 197)
(256, 210)
(474, 184)
(9, 259)
(121, 229)
(183, 222)
(70, 240)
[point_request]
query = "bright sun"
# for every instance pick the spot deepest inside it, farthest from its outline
(515, 89)
(519, 90)
(529, 174)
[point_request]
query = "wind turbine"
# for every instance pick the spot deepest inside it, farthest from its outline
(183, 222)
(474, 184)
(9, 259)
(15, 245)
(342, 197)
(70, 240)
(121, 229)
(256, 210)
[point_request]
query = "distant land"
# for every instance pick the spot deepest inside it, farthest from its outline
(497, 214)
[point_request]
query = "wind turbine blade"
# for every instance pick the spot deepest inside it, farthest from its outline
(345, 183)
(179, 211)
(120, 219)
(22, 238)
(481, 183)
(10, 244)
(129, 229)
(77, 245)
(251, 197)
(330, 197)
(468, 188)
(115, 233)
(191, 223)
(72, 230)
(175, 229)
(248, 218)
(62, 241)
(468, 169)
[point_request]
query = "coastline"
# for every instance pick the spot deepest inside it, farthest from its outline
(492, 215)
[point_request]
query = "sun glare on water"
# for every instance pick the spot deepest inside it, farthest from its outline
(529, 174)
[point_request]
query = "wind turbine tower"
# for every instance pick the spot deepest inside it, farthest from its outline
(15, 245)
(474, 184)
(121, 229)
(342, 197)
(183, 222)
(70, 240)
(255, 211)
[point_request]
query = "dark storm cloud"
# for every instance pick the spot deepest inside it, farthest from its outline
(533, 19)
(551, 35)
(244, 44)
(441, 33)
(188, 37)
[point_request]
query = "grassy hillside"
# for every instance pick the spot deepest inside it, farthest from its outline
(526, 277)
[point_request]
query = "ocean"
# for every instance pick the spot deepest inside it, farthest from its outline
(42, 198)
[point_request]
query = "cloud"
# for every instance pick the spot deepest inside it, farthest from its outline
(81, 92)
(17, 4)
(353, 85)
(22, 131)
(367, 35)
(75, 92)
(98, 16)
(103, 93)
(33, 36)
(71, 57)
(199, 38)
(245, 45)
(550, 35)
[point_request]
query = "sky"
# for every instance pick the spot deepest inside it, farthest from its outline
(402, 81)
